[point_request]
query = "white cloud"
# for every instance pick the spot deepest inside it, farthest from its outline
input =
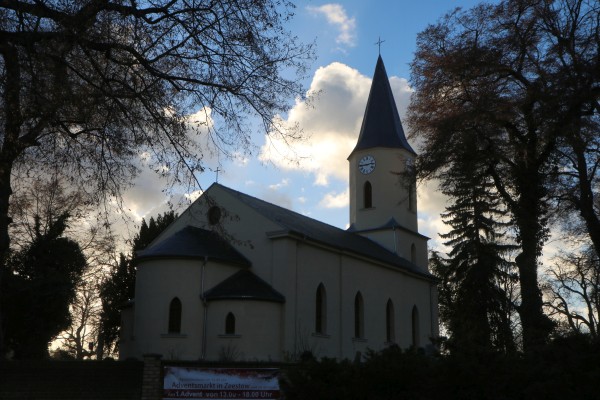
(336, 15)
(191, 197)
(145, 194)
(331, 118)
(284, 182)
(336, 200)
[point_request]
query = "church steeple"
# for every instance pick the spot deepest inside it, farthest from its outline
(383, 201)
(381, 126)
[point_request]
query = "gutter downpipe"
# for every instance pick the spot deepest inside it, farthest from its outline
(205, 314)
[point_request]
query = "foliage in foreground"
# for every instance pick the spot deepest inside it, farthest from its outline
(567, 368)
(39, 288)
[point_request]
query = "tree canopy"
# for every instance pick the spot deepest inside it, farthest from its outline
(523, 77)
(39, 288)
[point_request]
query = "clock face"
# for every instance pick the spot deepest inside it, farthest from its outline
(366, 165)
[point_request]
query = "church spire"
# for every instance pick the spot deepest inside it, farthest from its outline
(381, 126)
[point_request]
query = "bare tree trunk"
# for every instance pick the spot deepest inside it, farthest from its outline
(585, 199)
(531, 230)
(8, 154)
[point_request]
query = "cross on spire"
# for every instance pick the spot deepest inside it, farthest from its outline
(378, 42)
(217, 171)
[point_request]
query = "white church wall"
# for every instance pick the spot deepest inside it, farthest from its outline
(343, 276)
(257, 331)
(158, 282)
(415, 294)
(374, 286)
(295, 269)
(283, 266)
(317, 266)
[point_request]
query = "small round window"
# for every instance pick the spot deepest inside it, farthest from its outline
(214, 215)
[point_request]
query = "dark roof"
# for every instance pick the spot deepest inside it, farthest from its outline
(391, 224)
(302, 226)
(193, 242)
(381, 126)
(244, 285)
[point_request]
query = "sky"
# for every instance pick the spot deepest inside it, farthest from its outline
(312, 177)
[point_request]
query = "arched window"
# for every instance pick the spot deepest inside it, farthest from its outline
(368, 195)
(415, 326)
(230, 324)
(359, 317)
(321, 310)
(390, 331)
(175, 316)
(413, 253)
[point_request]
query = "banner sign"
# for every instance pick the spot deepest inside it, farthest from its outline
(220, 383)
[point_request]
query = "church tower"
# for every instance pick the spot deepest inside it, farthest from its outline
(383, 203)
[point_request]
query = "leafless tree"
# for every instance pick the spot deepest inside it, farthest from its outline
(572, 292)
(80, 338)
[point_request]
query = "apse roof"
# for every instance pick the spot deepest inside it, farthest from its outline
(193, 242)
(244, 285)
(381, 126)
(302, 226)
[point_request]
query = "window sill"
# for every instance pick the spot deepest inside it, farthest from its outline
(234, 336)
(320, 335)
(359, 340)
(173, 335)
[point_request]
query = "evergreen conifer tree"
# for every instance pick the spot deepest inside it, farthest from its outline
(477, 276)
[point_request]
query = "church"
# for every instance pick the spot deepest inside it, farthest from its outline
(236, 278)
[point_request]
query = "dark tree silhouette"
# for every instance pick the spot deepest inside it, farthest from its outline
(86, 87)
(477, 278)
(38, 289)
(119, 287)
(507, 72)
